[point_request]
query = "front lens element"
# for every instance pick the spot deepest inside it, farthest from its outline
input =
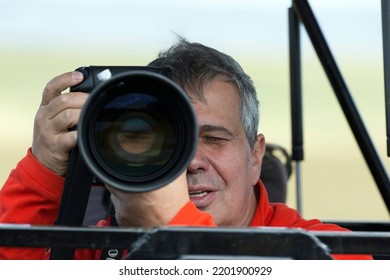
(134, 135)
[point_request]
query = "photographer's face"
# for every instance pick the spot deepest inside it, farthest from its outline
(224, 170)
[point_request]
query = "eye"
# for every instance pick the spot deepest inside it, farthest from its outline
(213, 139)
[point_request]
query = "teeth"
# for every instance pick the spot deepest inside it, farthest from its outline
(199, 194)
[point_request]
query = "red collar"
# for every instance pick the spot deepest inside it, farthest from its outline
(263, 207)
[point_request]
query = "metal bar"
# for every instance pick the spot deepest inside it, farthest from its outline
(295, 86)
(386, 64)
(372, 243)
(174, 242)
(378, 171)
(298, 177)
(296, 101)
(369, 226)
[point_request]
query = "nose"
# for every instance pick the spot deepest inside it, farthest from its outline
(199, 162)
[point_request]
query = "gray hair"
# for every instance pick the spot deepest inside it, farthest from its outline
(193, 65)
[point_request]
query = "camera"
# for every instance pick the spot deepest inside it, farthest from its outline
(137, 131)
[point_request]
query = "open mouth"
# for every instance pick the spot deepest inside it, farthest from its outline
(202, 198)
(198, 194)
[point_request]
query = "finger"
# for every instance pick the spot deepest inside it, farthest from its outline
(67, 141)
(59, 84)
(64, 120)
(72, 100)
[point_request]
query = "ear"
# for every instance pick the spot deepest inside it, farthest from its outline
(258, 154)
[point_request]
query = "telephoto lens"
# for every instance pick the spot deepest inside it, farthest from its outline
(137, 131)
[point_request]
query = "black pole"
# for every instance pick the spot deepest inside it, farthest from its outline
(386, 65)
(295, 87)
(296, 100)
(306, 15)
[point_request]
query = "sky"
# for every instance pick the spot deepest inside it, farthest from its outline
(245, 25)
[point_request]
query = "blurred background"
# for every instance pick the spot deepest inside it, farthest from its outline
(43, 38)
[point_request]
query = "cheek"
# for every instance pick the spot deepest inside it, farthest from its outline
(234, 166)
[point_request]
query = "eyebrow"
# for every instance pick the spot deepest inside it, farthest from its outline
(216, 128)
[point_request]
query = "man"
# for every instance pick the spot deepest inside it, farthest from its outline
(221, 186)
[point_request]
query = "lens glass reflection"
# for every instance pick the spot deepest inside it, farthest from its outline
(134, 135)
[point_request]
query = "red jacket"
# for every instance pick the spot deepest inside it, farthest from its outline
(32, 195)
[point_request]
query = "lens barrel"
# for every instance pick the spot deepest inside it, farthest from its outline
(137, 131)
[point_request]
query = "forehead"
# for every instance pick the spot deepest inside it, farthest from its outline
(220, 104)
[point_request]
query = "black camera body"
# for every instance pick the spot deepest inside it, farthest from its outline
(95, 75)
(137, 131)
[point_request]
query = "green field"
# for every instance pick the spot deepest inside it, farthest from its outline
(336, 181)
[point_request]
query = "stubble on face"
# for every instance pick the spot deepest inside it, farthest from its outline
(219, 177)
